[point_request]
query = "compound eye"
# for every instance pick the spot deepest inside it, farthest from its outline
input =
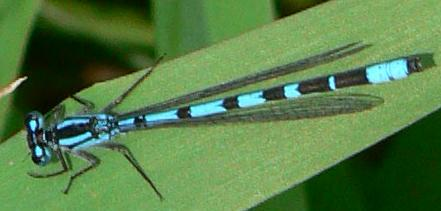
(34, 122)
(41, 155)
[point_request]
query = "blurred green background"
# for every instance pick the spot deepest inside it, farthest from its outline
(73, 44)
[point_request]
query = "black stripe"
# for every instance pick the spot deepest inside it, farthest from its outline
(414, 64)
(319, 84)
(140, 121)
(351, 78)
(275, 93)
(92, 123)
(49, 135)
(79, 143)
(184, 112)
(230, 103)
(71, 130)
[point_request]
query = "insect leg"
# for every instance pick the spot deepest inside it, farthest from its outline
(129, 156)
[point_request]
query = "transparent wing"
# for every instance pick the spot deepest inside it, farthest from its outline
(274, 72)
(54, 116)
(307, 107)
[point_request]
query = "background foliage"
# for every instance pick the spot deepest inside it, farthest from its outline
(73, 44)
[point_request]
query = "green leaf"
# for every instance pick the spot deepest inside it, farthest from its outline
(397, 173)
(236, 166)
(16, 20)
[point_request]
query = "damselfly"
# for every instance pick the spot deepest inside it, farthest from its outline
(74, 135)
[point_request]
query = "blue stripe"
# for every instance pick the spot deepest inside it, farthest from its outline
(292, 91)
(103, 116)
(250, 99)
(75, 139)
(398, 69)
(101, 138)
(331, 83)
(166, 115)
(386, 72)
(126, 122)
(73, 121)
(207, 108)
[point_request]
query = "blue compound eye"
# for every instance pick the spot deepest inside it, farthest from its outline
(34, 122)
(41, 155)
(34, 127)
